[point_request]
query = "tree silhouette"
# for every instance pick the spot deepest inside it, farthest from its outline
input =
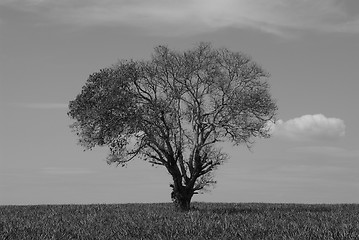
(173, 110)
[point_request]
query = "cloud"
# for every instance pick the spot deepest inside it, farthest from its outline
(328, 151)
(192, 16)
(65, 171)
(42, 105)
(309, 127)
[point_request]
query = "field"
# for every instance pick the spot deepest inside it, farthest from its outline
(160, 221)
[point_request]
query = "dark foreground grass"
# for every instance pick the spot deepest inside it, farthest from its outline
(160, 221)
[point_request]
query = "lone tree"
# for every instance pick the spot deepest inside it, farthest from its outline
(173, 110)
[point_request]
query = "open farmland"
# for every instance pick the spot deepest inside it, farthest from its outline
(160, 221)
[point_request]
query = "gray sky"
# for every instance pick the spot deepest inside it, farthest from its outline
(48, 49)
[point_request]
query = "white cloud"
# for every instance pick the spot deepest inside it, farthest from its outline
(310, 127)
(275, 16)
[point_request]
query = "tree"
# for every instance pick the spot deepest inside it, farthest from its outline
(173, 110)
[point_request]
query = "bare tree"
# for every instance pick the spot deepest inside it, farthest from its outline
(173, 110)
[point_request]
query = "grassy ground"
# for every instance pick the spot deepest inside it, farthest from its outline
(160, 221)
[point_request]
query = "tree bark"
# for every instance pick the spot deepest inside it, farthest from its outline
(181, 197)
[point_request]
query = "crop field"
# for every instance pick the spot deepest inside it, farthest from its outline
(161, 221)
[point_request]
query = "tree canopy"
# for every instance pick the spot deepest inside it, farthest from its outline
(173, 109)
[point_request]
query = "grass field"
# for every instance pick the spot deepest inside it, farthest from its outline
(160, 221)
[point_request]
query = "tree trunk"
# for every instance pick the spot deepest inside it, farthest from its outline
(181, 198)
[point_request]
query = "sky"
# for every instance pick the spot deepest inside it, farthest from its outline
(48, 49)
